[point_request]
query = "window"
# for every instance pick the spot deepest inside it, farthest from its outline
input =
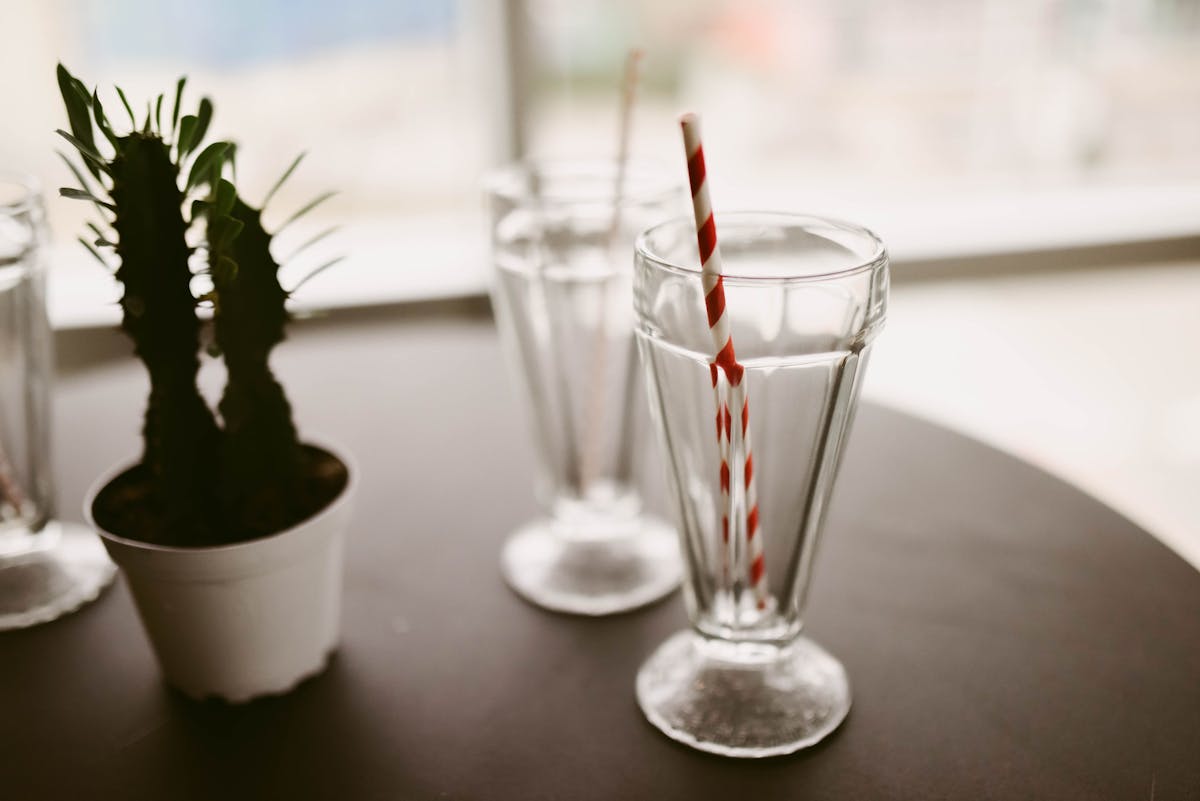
(954, 127)
(392, 99)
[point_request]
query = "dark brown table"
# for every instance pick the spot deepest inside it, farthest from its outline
(1006, 635)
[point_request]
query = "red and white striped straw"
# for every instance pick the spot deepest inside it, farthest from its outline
(593, 445)
(624, 126)
(724, 358)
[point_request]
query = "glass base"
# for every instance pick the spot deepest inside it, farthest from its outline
(65, 569)
(743, 700)
(593, 576)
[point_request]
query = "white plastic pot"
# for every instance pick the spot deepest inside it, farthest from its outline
(244, 620)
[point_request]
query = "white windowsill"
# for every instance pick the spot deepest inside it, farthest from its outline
(435, 257)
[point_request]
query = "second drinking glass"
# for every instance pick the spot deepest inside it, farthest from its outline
(562, 248)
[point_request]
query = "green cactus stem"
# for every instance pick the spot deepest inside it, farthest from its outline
(262, 461)
(144, 202)
(181, 439)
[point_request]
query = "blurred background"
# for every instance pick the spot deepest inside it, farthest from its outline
(1034, 166)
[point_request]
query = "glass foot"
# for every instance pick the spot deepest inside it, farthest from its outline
(595, 576)
(743, 700)
(65, 569)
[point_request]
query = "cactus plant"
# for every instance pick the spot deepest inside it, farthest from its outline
(200, 481)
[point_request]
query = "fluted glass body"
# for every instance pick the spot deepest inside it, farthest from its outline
(804, 298)
(26, 492)
(561, 245)
(47, 568)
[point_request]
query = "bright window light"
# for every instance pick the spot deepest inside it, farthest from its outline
(955, 128)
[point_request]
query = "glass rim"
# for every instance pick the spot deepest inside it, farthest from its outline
(28, 199)
(878, 253)
(499, 181)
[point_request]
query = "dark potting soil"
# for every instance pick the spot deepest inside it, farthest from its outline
(127, 507)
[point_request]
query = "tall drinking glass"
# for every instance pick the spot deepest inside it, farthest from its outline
(46, 568)
(805, 297)
(563, 302)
